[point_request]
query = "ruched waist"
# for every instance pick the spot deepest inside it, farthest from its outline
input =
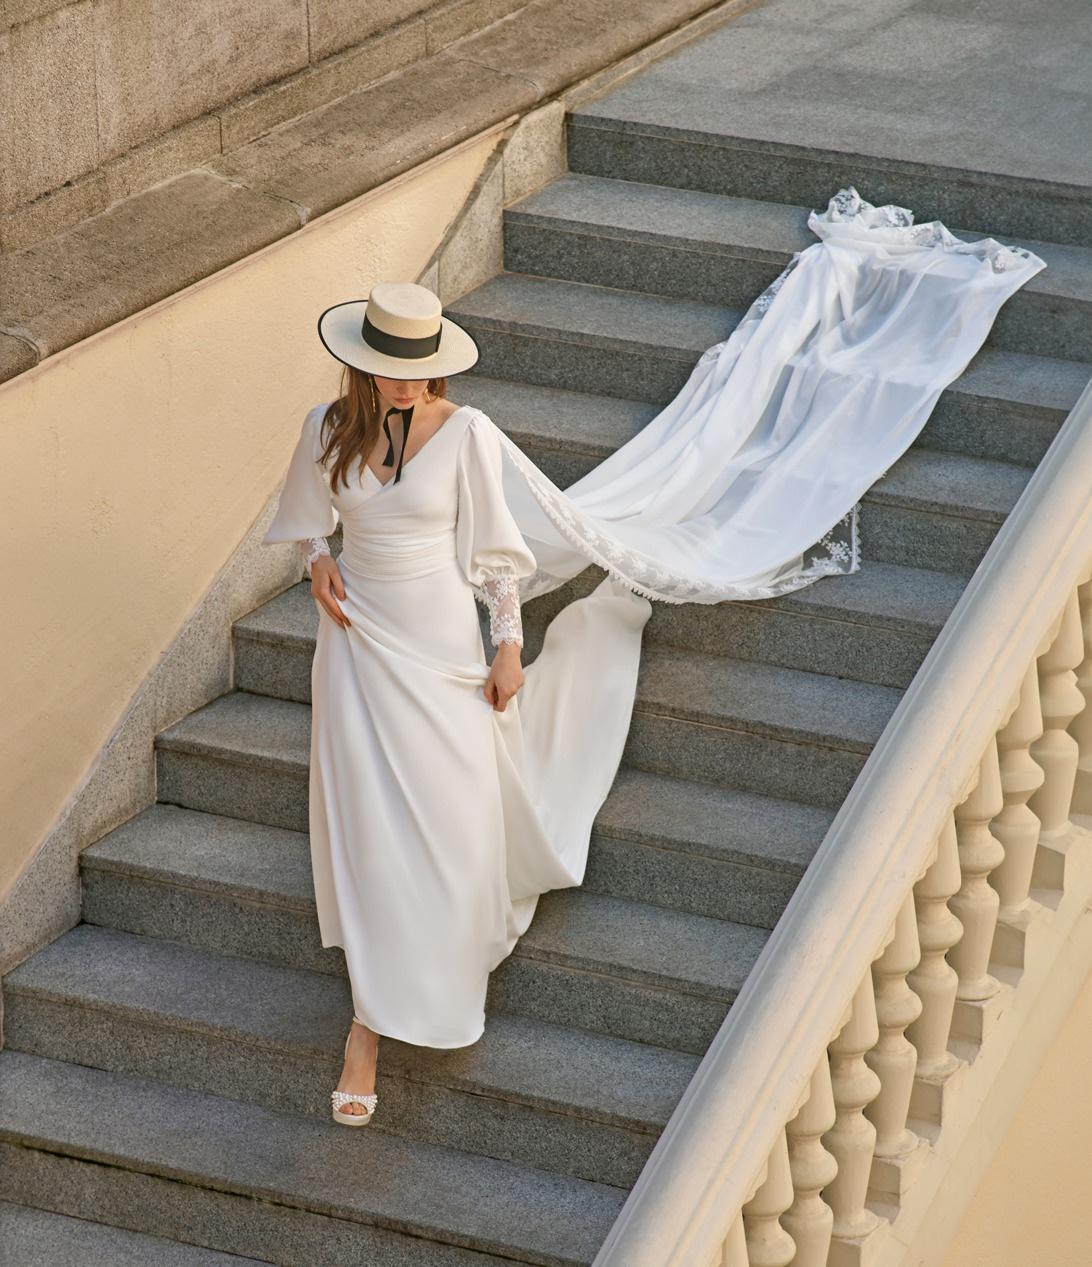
(394, 558)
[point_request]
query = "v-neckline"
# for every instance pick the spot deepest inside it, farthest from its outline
(409, 461)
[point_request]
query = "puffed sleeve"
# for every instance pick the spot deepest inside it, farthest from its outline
(306, 509)
(489, 546)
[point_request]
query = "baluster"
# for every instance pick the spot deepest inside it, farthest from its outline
(809, 1219)
(1057, 750)
(1017, 826)
(976, 903)
(853, 1137)
(894, 1059)
(1081, 729)
(768, 1244)
(934, 980)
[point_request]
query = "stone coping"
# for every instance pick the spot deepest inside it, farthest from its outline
(147, 247)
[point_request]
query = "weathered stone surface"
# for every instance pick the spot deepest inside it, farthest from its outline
(53, 212)
(183, 147)
(47, 103)
(157, 67)
(338, 24)
(552, 43)
(450, 22)
(16, 11)
(159, 159)
(535, 152)
(81, 278)
(16, 355)
(315, 86)
(133, 255)
(340, 152)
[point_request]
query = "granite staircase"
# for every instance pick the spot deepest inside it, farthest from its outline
(167, 1062)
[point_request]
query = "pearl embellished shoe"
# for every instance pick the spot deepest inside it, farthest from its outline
(341, 1098)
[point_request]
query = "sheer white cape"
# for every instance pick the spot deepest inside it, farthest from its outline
(748, 484)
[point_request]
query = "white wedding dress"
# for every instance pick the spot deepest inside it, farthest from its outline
(436, 821)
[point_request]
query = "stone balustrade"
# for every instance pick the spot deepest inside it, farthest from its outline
(820, 1125)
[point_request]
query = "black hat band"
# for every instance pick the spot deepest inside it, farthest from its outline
(396, 345)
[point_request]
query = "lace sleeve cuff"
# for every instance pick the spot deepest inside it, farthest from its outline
(505, 619)
(312, 548)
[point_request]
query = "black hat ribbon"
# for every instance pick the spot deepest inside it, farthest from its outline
(407, 418)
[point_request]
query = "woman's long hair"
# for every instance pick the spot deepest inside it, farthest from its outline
(352, 423)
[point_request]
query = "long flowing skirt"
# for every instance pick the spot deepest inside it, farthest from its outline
(436, 820)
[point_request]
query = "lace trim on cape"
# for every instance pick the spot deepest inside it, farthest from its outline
(837, 552)
(890, 223)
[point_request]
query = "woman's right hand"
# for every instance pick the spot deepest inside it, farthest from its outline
(327, 587)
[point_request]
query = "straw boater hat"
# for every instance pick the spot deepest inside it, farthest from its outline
(397, 332)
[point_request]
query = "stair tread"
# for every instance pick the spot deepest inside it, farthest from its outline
(698, 220)
(635, 941)
(677, 328)
(656, 945)
(891, 595)
(306, 1162)
(195, 849)
(770, 699)
(690, 685)
(41, 1238)
(910, 108)
(951, 483)
(518, 1058)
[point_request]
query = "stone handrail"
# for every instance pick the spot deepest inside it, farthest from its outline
(803, 1097)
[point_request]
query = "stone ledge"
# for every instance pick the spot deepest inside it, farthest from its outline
(345, 149)
(16, 355)
(66, 288)
(225, 126)
(145, 248)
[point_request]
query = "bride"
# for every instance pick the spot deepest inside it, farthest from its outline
(447, 792)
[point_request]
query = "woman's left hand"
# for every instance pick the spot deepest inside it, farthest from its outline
(505, 675)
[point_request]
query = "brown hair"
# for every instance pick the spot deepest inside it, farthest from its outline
(351, 425)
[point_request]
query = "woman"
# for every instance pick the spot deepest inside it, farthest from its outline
(428, 850)
(447, 794)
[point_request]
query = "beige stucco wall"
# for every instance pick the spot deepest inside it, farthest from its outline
(132, 464)
(1034, 1205)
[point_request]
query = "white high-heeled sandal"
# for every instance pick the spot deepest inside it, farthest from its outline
(340, 1098)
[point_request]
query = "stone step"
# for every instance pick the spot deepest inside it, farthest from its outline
(688, 244)
(289, 1187)
(873, 625)
(767, 729)
(704, 117)
(39, 1238)
(883, 619)
(944, 508)
(624, 967)
(689, 846)
(542, 1095)
(696, 716)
